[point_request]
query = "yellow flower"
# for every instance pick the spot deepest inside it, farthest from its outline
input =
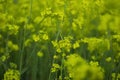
(12, 74)
(108, 59)
(59, 50)
(55, 57)
(30, 27)
(54, 43)
(113, 75)
(45, 36)
(27, 42)
(55, 67)
(12, 46)
(35, 37)
(15, 47)
(13, 29)
(37, 19)
(9, 43)
(3, 58)
(76, 45)
(40, 54)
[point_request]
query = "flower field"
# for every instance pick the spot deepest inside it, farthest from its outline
(59, 40)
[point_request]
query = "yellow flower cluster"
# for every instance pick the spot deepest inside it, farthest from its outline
(12, 74)
(76, 44)
(55, 67)
(40, 54)
(13, 29)
(12, 46)
(77, 65)
(90, 28)
(38, 37)
(97, 44)
(63, 45)
(115, 77)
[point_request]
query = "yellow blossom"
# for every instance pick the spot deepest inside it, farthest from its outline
(15, 47)
(12, 74)
(39, 54)
(35, 37)
(108, 59)
(55, 67)
(76, 45)
(45, 36)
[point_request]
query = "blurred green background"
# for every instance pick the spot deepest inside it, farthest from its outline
(39, 39)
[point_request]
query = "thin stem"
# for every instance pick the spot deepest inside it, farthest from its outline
(57, 36)
(22, 40)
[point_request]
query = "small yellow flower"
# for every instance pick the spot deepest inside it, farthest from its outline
(108, 59)
(3, 58)
(15, 47)
(113, 75)
(30, 27)
(76, 45)
(9, 43)
(53, 70)
(54, 43)
(59, 50)
(40, 54)
(12, 74)
(37, 19)
(55, 67)
(55, 57)
(35, 37)
(93, 57)
(27, 42)
(45, 36)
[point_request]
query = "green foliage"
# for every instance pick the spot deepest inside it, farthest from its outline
(59, 40)
(76, 65)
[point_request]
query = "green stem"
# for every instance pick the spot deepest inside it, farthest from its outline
(57, 36)
(22, 40)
